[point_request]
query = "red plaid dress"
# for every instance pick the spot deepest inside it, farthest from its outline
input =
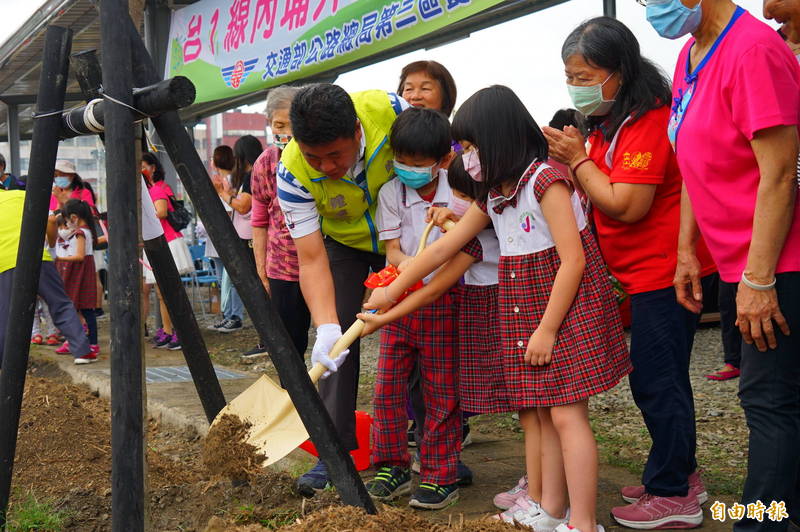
(429, 336)
(482, 388)
(590, 354)
(79, 281)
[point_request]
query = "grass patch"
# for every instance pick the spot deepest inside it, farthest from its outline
(32, 513)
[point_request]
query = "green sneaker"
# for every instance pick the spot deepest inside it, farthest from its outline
(389, 483)
(431, 496)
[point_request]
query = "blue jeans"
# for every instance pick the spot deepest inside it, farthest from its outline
(232, 306)
(662, 334)
(769, 390)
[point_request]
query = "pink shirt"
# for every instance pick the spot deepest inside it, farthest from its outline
(750, 82)
(161, 191)
(266, 212)
(82, 194)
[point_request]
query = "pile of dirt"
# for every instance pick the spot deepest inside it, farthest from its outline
(336, 518)
(226, 452)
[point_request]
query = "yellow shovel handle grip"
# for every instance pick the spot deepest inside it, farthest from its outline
(349, 336)
(448, 225)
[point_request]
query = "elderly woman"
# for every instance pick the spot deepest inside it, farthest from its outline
(428, 84)
(275, 254)
(737, 82)
(631, 177)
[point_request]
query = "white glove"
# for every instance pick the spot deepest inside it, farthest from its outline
(327, 335)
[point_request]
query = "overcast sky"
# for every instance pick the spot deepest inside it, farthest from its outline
(523, 54)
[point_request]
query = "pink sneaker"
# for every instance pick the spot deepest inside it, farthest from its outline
(94, 349)
(64, 349)
(523, 505)
(507, 499)
(650, 512)
(696, 486)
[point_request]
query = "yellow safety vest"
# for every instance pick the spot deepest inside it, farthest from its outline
(346, 208)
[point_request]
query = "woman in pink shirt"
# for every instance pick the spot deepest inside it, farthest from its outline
(160, 193)
(734, 127)
(275, 254)
(67, 185)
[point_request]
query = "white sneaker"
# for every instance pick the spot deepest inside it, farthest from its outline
(524, 505)
(564, 527)
(541, 521)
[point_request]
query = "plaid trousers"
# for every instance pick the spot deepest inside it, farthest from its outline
(429, 335)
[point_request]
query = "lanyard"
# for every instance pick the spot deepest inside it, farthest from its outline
(684, 98)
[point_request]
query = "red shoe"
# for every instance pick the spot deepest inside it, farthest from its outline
(726, 373)
(53, 339)
(94, 349)
(37, 339)
(64, 349)
(650, 512)
(696, 486)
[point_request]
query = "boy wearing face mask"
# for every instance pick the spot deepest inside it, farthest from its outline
(420, 139)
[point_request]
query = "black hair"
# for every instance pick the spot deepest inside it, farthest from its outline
(246, 151)
(460, 180)
(607, 43)
(569, 117)
(321, 114)
(88, 186)
(152, 160)
(506, 135)
(82, 210)
(421, 132)
(3, 162)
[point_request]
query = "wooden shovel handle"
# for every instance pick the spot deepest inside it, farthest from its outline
(354, 332)
(349, 336)
(448, 225)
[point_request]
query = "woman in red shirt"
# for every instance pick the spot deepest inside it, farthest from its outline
(631, 178)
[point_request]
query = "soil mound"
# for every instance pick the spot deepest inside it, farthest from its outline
(226, 452)
(338, 518)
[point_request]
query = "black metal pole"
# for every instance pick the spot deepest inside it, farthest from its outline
(52, 88)
(127, 416)
(232, 250)
(183, 319)
(89, 74)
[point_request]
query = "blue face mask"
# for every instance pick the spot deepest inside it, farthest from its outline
(414, 176)
(671, 19)
(61, 182)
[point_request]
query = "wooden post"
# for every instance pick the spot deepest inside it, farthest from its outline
(205, 380)
(127, 415)
(182, 315)
(291, 370)
(50, 99)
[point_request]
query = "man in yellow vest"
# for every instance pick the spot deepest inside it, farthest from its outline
(328, 182)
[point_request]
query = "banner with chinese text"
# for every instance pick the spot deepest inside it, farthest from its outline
(231, 47)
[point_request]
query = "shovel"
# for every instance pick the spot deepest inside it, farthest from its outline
(276, 428)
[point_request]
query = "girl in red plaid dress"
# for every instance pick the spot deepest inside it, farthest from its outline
(75, 263)
(562, 338)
